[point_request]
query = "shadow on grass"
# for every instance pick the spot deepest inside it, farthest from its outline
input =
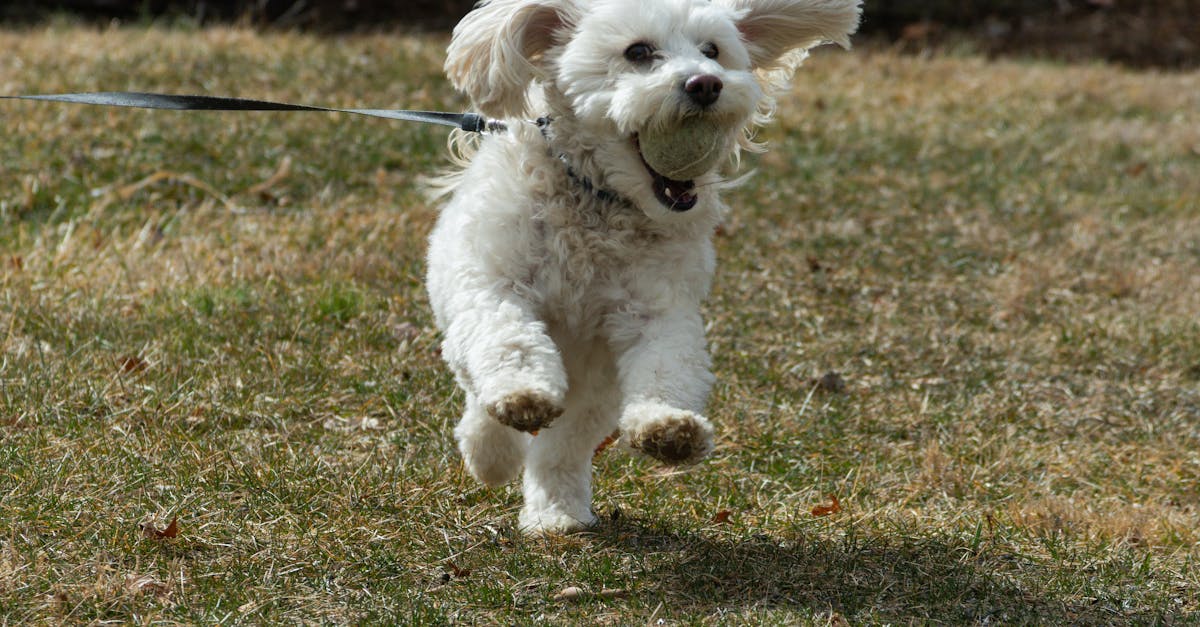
(873, 578)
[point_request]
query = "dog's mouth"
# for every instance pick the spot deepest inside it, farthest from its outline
(674, 195)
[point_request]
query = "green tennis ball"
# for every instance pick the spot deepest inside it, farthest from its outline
(683, 152)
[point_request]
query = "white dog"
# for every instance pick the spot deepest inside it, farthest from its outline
(565, 273)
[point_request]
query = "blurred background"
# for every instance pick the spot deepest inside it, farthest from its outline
(1147, 33)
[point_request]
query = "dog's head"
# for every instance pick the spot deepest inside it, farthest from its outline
(615, 70)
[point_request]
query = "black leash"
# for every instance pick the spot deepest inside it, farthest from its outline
(471, 122)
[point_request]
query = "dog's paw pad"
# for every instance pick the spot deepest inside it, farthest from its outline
(677, 439)
(525, 411)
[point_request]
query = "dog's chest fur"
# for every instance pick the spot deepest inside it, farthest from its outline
(584, 258)
(591, 257)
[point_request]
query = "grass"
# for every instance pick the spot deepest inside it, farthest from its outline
(220, 317)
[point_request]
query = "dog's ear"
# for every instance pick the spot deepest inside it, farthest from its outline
(773, 28)
(495, 49)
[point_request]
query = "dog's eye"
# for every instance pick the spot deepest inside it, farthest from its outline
(710, 50)
(639, 52)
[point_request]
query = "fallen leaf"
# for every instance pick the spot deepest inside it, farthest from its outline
(172, 530)
(612, 437)
(722, 516)
(59, 598)
(570, 593)
(831, 382)
(133, 363)
(825, 510)
(459, 573)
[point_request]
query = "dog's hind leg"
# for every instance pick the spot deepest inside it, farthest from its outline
(492, 452)
(558, 468)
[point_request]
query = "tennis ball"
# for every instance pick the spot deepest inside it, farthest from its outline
(683, 152)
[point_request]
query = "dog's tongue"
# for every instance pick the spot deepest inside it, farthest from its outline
(676, 195)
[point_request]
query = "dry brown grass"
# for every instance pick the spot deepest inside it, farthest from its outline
(220, 316)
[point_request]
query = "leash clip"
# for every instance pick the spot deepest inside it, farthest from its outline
(475, 123)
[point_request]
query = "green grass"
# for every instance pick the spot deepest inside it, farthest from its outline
(220, 317)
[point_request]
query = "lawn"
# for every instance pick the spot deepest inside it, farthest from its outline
(960, 296)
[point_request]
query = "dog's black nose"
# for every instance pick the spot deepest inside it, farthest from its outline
(703, 89)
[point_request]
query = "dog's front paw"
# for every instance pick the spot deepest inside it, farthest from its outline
(677, 437)
(525, 410)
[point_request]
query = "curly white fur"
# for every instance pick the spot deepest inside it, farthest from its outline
(565, 275)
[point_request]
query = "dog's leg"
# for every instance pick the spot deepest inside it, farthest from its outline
(665, 378)
(492, 452)
(504, 356)
(558, 473)
(558, 469)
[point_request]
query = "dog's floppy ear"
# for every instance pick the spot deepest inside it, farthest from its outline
(773, 28)
(494, 50)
